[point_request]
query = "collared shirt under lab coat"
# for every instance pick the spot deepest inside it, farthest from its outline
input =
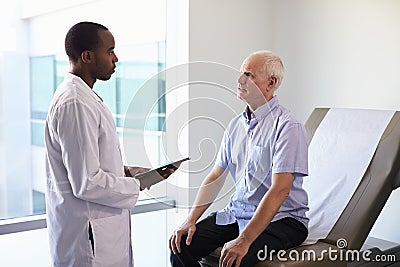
(85, 181)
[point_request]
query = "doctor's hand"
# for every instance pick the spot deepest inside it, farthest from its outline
(167, 171)
(131, 171)
(233, 252)
(188, 228)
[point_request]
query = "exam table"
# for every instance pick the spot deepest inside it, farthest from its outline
(381, 177)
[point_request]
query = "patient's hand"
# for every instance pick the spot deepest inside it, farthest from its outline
(233, 252)
(188, 228)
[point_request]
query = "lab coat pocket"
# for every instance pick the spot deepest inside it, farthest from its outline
(111, 239)
(259, 165)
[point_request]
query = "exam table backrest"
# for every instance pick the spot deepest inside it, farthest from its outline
(380, 179)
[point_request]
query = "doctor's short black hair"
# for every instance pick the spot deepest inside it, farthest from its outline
(82, 36)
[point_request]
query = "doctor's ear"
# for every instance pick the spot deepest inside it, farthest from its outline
(86, 56)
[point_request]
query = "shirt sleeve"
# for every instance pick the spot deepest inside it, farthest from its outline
(78, 130)
(224, 153)
(291, 150)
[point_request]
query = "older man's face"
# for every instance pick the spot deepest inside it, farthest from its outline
(252, 81)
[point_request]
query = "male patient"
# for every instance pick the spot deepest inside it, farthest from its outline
(265, 151)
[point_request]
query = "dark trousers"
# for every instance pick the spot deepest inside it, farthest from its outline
(279, 235)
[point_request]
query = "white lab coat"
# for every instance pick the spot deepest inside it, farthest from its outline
(85, 181)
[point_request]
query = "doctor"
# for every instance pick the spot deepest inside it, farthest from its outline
(88, 196)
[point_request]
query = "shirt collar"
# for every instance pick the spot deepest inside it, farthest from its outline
(73, 78)
(262, 111)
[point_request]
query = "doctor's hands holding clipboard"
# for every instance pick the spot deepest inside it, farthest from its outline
(149, 177)
(131, 171)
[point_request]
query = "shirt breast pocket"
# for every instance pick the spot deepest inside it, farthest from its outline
(259, 166)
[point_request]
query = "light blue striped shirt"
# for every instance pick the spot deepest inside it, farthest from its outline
(272, 141)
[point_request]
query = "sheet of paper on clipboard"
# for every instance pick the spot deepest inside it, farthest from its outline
(153, 176)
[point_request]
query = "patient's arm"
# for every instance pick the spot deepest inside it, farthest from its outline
(208, 192)
(236, 249)
(269, 205)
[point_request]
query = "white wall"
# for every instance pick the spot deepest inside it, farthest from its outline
(33, 244)
(341, 53)
(226, 31)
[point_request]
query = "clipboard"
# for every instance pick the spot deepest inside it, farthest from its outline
(153, 176)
